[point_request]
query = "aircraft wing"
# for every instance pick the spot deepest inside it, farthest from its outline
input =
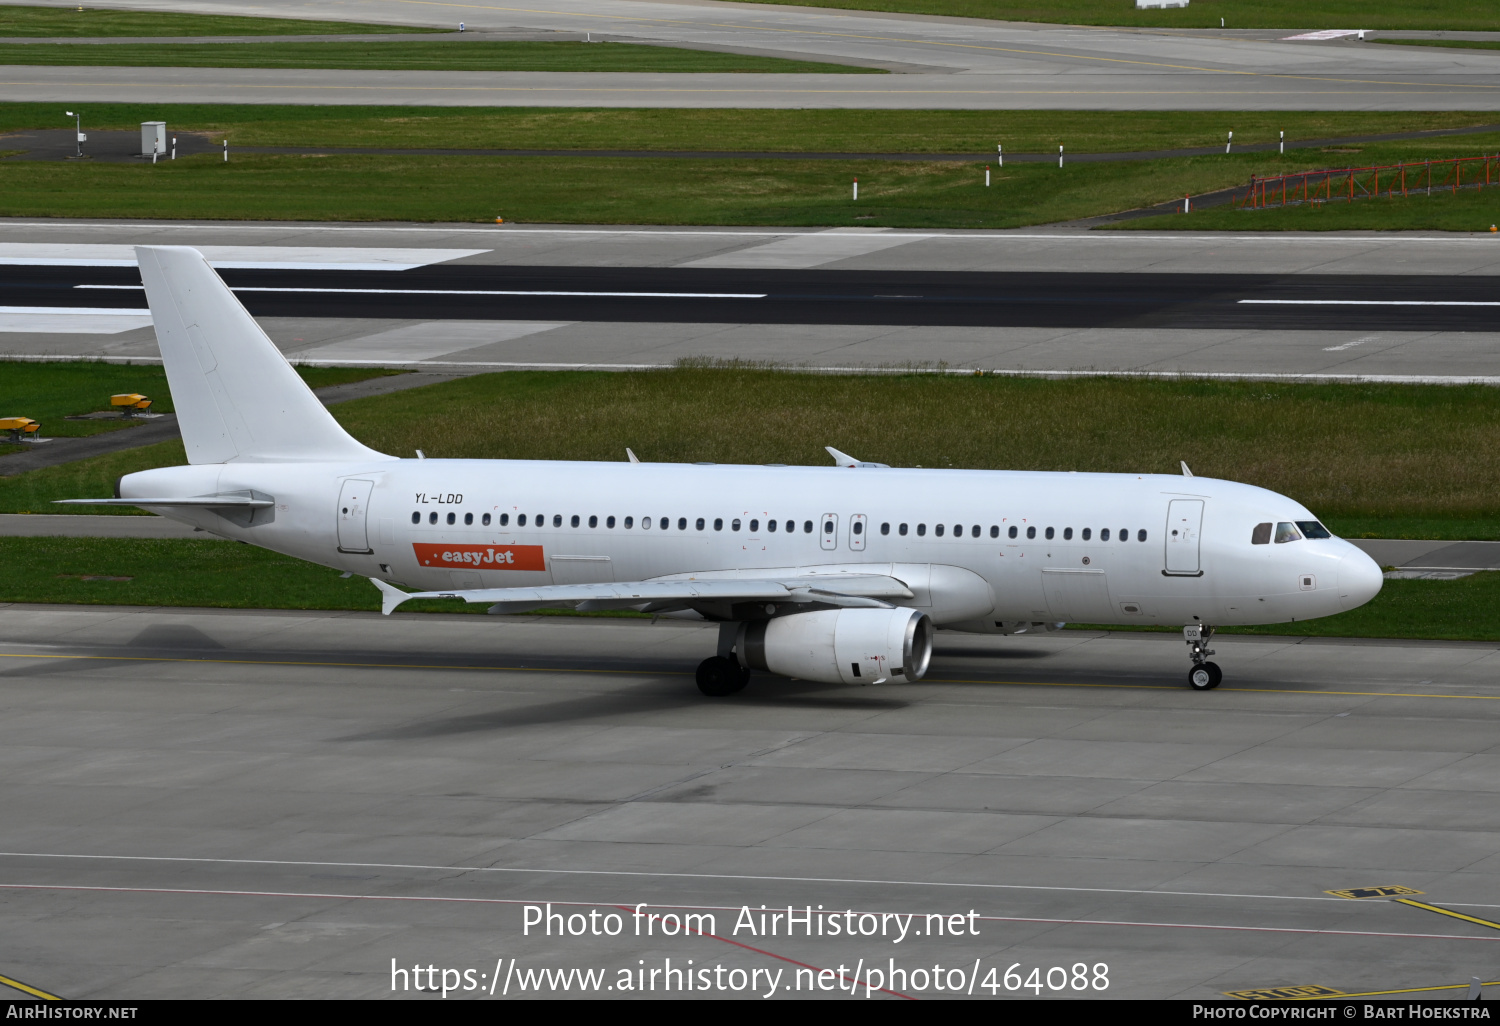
(839, 590)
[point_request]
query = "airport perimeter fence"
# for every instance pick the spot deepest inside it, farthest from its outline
(1390, 180)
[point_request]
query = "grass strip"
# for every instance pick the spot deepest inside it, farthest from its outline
(93, 21)
(1236, 14)
(1412, 461)
(212, 573)
(1457, 44)
(487, 55)
(1468, 210)
(49, 392)
(808, 131)
(647, 190)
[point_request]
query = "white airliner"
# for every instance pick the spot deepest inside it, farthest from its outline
(836, 574)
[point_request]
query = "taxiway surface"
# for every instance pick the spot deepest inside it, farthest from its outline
(964, 63)
(211, 803)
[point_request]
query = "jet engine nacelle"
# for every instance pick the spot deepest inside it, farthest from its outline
(841, 646)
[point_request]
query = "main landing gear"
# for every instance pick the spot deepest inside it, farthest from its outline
(1204, 676)
(721, 675)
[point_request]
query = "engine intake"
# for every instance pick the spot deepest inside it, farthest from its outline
(840, 646)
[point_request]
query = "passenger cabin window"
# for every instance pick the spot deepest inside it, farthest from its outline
(718, 523)
(994, 531)
(609, 521)
(1012, 532)
(771, 525)
(432, 518)
(574, 521)
(452, 517)
(1124, 534)
(664, 523)
(1286, 533)
(1050, 532)
(416, 518)
(1140, 535)
(1088, 533)
(521, 520)
(1313, 529)
(958, 530)
(486, 520)
(629, 523)
(1261, 535)
(504, 519)
(594, 521)
(921, 530)
(885, 528)
(1031, 532)
(1104, 534)
(645, 523)
(828, 527)
(734, 525)
(1067, 534)
(858, 527)
(468, 519)
(791, 525)
(901, 530)
(699, 524)
(974, 531)
(807, 527)
(682, 523)
(937, 530)
(557, 520)
(754, 526)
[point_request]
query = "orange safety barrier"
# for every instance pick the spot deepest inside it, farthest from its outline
(1365, 182)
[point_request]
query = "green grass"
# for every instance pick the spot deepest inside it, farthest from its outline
(49, 392)
(487, 55)
(1468, 210)
(1411, 461)
(837, 131)
(213, 573)
(1237, 14)
(1457, 44)
(92, 21)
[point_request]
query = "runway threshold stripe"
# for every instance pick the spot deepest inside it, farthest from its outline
(684, 673)
(1363, 302)
(29, 989)
(470, 292)
(1448, 912)
(328, 896)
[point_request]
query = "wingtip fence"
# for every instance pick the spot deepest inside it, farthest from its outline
(1351, 183)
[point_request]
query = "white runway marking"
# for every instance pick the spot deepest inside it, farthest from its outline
(73, 320)
(474, 292)
(1365, 302)
(287, 258)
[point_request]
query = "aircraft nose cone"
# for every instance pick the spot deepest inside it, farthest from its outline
(1360, 579)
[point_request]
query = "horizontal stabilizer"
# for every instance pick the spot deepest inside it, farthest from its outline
(208, 501)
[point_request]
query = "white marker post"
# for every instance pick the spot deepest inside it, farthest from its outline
(856, 190)
(174, 147)
(1229, 143)
(1187, 203)
(1283, 144)
(986, 177)
(999, 155)
(226, 151)
(1059, 154)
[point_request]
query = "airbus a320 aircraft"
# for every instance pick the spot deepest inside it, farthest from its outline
(835, 574)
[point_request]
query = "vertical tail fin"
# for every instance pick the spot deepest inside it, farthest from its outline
(237, 398)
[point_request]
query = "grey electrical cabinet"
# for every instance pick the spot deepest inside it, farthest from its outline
(153, 138)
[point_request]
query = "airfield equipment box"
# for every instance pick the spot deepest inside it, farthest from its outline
(153, 137)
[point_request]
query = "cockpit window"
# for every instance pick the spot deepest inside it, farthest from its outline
(1286, 533)
(1261, 535)
(1313, 529)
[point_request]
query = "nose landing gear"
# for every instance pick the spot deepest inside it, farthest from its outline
(1204, 676)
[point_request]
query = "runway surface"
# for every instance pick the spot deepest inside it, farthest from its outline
(214, 803)
(969, 64)
(1132, 302)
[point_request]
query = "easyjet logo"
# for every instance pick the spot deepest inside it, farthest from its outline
(491, 557)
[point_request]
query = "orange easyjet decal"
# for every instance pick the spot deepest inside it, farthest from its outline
(481, 557)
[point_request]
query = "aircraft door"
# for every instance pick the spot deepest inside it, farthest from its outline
(828, 531)
(857, 528)
(353, 516)
(1184, 525)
